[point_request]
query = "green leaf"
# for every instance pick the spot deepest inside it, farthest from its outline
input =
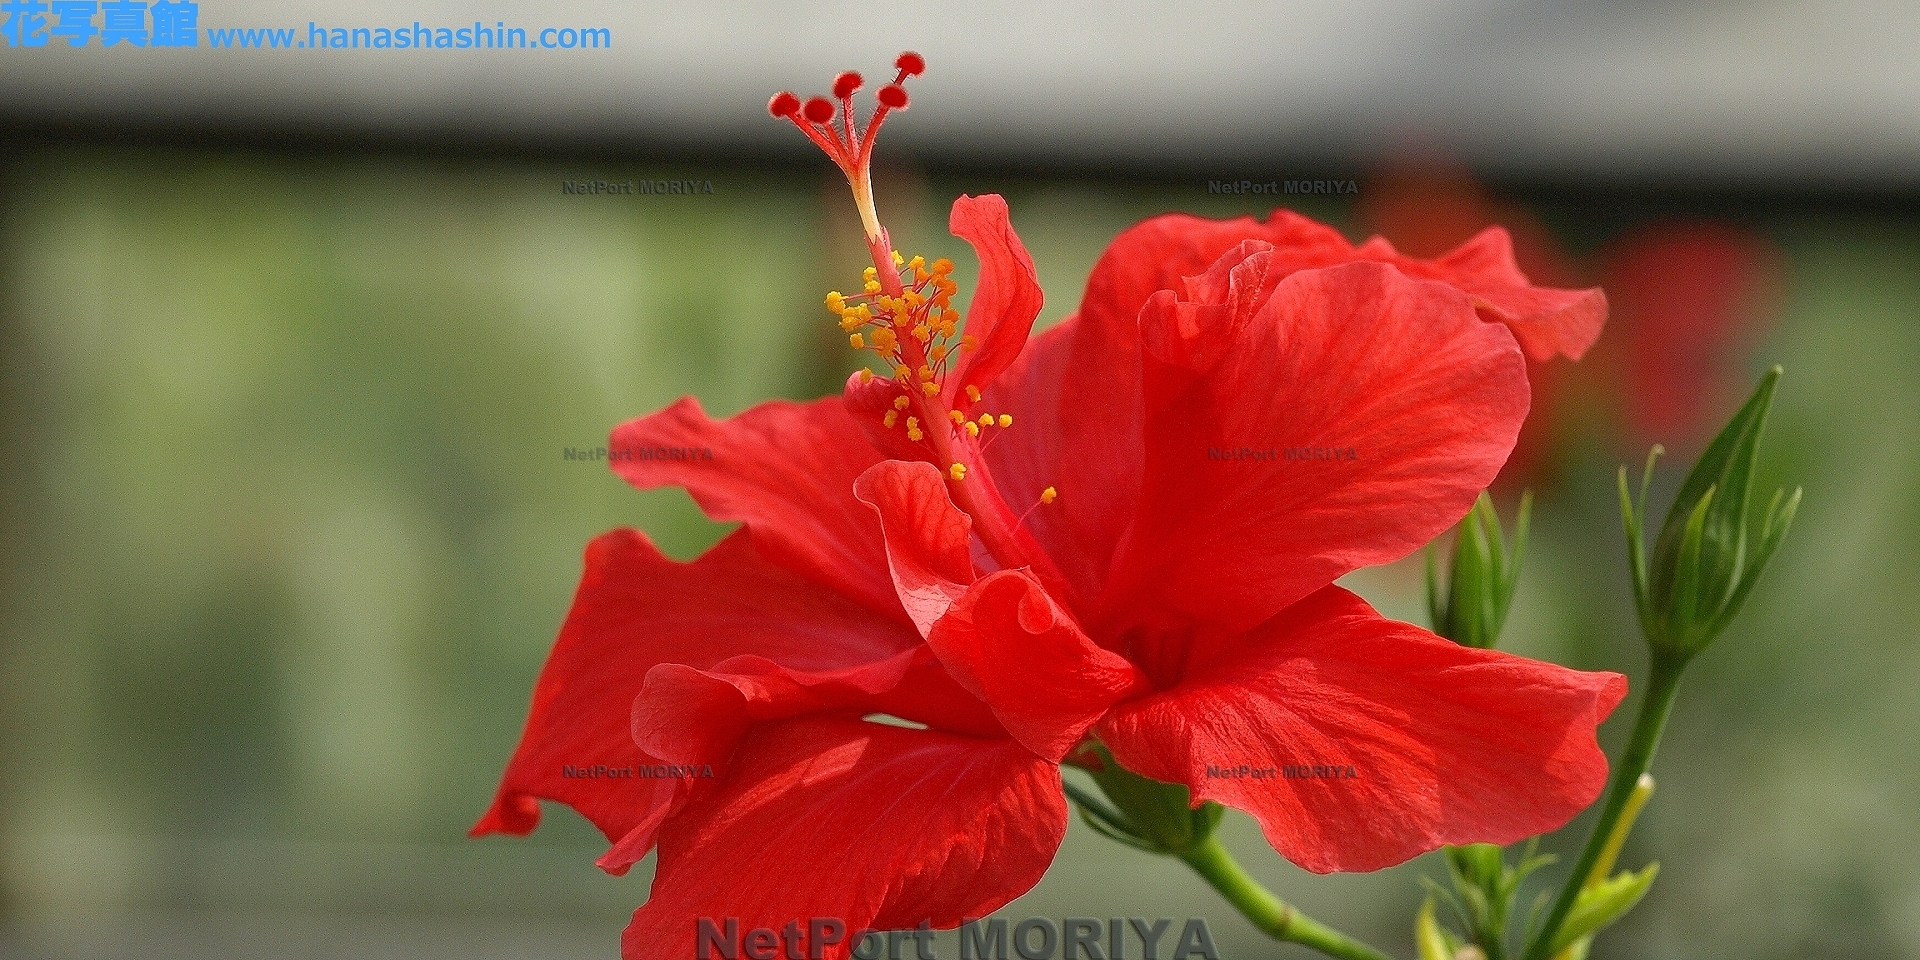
(1603, 903)
(1427, 935)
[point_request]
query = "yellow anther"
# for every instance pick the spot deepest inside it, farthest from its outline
(869, 274)
(913, 429)
(986, 419)
(1048, 495)
(890, 419)
(942, 266)
(973, 393)
(968, 342)
(973, 429)
(923, 333)
(850, 323)
(912, 299)
(958, 471)
(900, 402)
(835, 301)
(957, 417)
(917, 262)
(866, 374)
(940, 351)
(857, 341)
(898, 259)
(873, 286)
(1005, 421)
(884, 340)
(949, 317)
(930, 388)
(900, 374)
(926, 372)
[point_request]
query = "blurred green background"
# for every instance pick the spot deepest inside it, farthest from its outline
(288, 530)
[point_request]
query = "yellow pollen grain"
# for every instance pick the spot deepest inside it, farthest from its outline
(926, 372)
(1006, 420)
(973, 429)
(943, 266)
(869, 274)
(958, 471)
(968, 342)
(866, 374)
(857, 341)
(957, 417)
(940, 351)
(890, 419)
(917, 262)
(898, 259)
(986, 419)
(900, 402)
(1048, 495)
(873, 286)
(973, 393)
(930, 388)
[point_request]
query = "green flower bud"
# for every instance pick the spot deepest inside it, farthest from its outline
(1480, 577)
(1140, 812)
(1709, 554)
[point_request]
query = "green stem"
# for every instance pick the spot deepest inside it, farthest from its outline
(1663, 685)
(1278, 919)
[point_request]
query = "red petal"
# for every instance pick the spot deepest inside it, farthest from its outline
(1419, 398)
(1036, 453)
(1008, 296)
(784, 469)
(636, 608)
(1546, 321)
(876, 826)
(1098, 467)
(1447, 744)
(1012, 646)
(927, 537)
(696, 719)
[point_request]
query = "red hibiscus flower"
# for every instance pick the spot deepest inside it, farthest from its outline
(1430, 206)
(1693, 295)
(1125, 530)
